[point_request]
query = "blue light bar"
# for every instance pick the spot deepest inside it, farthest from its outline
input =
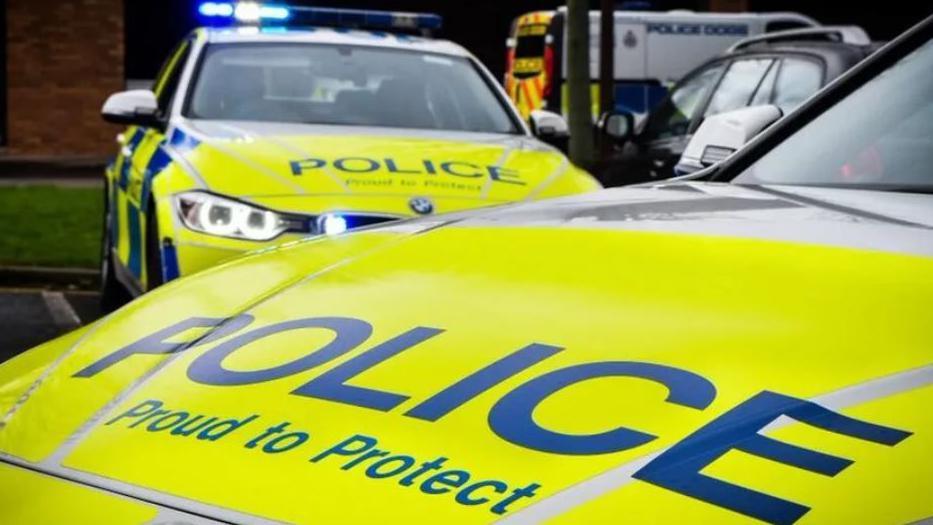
(246, 12)
(257, 13)
(216, 9)
(274, 12)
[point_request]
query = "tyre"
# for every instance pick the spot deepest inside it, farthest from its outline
(154, 277)
(112, 294)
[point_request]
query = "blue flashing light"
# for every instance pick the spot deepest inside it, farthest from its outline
(251, 12)
(274, 12)
(245, 12)
(334, 225)
(216, 9)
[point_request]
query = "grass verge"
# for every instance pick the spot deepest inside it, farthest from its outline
(50, 226)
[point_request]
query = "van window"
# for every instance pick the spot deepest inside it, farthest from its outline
(531, 41)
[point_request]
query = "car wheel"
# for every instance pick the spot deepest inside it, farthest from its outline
(112, 294)
(154, 277)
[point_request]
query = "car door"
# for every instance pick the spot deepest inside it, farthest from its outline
(139, 147)
(651, 155)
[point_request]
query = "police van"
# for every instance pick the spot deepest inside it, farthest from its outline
(652, 51)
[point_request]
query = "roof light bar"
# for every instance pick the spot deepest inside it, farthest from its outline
(258, 13)
(215, 9)
(245, 12)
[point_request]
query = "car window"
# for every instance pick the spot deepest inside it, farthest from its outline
(672, 118)
(880, 136)
(346, 85)
(737, 85)
(797, 80)
(766, 88)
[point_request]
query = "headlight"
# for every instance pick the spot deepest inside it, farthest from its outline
(216, 215)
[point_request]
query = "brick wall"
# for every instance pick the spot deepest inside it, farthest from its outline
(64, 57)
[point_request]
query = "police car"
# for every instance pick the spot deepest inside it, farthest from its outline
(257, 133)
(782, 68)
(756, 349)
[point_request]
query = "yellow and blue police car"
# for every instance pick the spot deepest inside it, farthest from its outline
(754, 348)
(259, 134)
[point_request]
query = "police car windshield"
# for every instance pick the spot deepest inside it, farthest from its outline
(345, 85)
(878, 137)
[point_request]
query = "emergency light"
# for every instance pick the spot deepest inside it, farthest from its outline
(247, 12)
(333, 224)
(260, 13)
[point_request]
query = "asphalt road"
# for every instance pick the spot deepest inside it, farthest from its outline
(31, 317)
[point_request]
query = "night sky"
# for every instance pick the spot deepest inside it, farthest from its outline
(154, 26)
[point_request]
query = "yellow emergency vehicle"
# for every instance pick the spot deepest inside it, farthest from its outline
(259, 134)
(752, 345)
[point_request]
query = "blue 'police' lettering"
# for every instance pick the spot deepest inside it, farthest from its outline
(504, 175)
(472, 173)
(679, 468)
(511, 418)
(393, 168)
(698, 29)
(469, 387)
(332, 386)
(358, 165)
(299, 166)
(368, 165)
(157, 343)
(349, 333)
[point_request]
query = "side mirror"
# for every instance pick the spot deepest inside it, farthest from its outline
(137, 107)
(547, 125)
(550, 128)
(619, 127)
(722, 135)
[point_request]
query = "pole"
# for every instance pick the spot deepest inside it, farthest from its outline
(606, 68)
(579, 101)
(607, 56)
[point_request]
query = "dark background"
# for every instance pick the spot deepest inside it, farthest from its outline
(154, 26)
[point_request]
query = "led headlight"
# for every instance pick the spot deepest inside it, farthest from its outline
(216, 215)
